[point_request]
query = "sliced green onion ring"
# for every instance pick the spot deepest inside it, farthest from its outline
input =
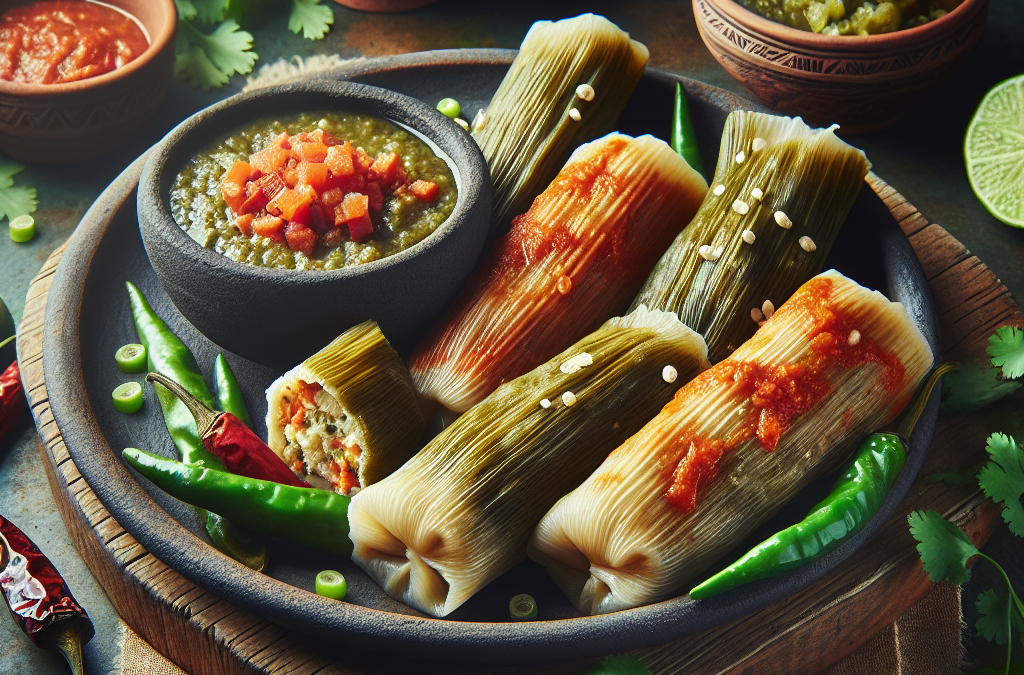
(523, 608)
(128, 397)
(22, 229)
(131, 358)
(331, 584)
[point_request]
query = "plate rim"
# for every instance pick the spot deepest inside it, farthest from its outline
(522, 643)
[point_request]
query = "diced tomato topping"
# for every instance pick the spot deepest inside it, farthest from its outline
(355, 205)
(290, 177)
(339, 160)
(348, 479)
(310, 152)
(300, 238)
(233, 185)
(313, 175)
(301, 215)
(328, 139)
(254, 204)
(282, 141)
(375, 196)
(298, 418)
(321, 218)
(425, 190)
(270, 185)
(332, 197)
(361, 159)
(290, 201)
(360, 227)
(335, 443)
(244, 223)
(387, 169)
(269, 226)
(270, 159)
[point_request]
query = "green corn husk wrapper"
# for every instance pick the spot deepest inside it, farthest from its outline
(663, 507)
(809, 176)
(526, 133)
(364, 379)
(458, 514)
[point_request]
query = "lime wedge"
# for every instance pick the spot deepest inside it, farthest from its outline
(994, 151)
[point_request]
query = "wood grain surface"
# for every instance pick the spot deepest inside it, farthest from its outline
(806, 633)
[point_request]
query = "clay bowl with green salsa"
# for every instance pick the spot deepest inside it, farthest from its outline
(892, 53)
(279, 218)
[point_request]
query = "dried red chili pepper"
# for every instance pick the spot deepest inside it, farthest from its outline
(12, 401)
(223, 434)
(39, 599)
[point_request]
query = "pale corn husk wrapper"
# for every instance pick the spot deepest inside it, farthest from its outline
(526, 133)
(615, 542)
(576, 258)
(368, 382)
(458, 514)
(809, 175)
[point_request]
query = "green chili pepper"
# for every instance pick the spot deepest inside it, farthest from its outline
(127, 397)
(854, 500)
(169, 355)
(227, 391)
(684, 140)
(331, 584)
(315, 518)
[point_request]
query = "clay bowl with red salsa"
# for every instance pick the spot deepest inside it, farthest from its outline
(101, 72)
(279, 218)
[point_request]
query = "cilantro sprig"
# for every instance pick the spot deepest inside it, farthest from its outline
(979, 383)
(945, 549)
(15, 200)
(209, 59)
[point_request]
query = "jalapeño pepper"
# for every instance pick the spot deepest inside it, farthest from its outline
(169, 355)
(854, 500)
(684, 140)
(227, 391)
(315, 518)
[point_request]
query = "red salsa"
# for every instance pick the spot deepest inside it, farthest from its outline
(57, 41)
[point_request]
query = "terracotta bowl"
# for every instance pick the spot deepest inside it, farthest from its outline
(279, 317)
(861, 83)
(77, 120)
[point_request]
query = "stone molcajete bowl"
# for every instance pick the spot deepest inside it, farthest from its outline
(862, 83)
(279, 317)
(77, 120)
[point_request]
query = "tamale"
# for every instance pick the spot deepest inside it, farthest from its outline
(458, 514)
(833, 363)
(575, 259)
(537, 117)
(780, 194)
(347, 416)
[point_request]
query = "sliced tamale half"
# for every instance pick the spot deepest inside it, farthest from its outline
(457, 515)
(780, 195)
(834, 362)
(540, 113)
(347, 416)
(571, 262)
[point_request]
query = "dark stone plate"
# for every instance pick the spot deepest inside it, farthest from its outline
(88, 318)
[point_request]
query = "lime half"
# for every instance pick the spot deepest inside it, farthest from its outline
(994, 151)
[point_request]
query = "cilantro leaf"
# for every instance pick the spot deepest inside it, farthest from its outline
(620, 665)
(1006, 348)
(186, 10)
(15, 200)
(208, 61)
(1002, 479)
(310, 17)
(210, 11)
(194, 66)
(974, 386)
(993, 610)
(943, 546)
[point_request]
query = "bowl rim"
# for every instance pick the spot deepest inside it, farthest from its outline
(897, 40)
(462, 151)
(158, 43)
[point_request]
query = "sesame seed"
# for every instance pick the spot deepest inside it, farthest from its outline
(740, 156)
(807, 244)
(576, 363)
(585, 92)
(748, 236)
(545, 403)
(717, 253)
(462, 123)
(569, 399)
(575, 115)
(783, 220)
(564, 285)
(740, 207)
(669, 374)
(756, 315)
(854, 338)
(705, 252)
(768, 309)
(719, 189)
(757, 194)
(758, 144)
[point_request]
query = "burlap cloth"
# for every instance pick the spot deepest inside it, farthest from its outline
(924, 640)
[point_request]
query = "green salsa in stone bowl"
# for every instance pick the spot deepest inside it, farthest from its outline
(265, 300)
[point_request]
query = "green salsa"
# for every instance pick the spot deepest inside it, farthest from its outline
(198, 204)
(851, 17)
